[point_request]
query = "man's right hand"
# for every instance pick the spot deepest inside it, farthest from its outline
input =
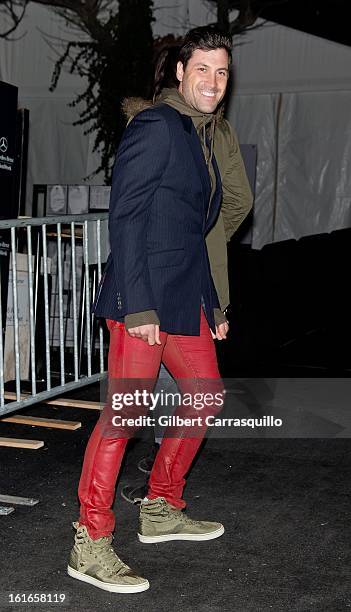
(149, 333)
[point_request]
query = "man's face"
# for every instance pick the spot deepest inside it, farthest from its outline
(204, 80)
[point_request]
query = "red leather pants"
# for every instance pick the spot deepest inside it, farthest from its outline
(186, 357)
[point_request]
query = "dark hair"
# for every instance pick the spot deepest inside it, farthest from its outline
(165, 69)
(206, 38)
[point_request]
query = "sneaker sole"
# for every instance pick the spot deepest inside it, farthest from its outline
(107, 586)
(198, 537)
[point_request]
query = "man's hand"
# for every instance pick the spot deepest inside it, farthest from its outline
(149, 333)
(221, 331)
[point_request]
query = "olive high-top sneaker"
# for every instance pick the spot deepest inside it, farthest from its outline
(95, 562)
(160, 522)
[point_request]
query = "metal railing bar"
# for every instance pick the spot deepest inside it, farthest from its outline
(74, 299)
(9, 223)
(60, 301)
(31, 309)
(15, 313)
(87, 296)
(43, 395)
(101, 335)
(46, 310)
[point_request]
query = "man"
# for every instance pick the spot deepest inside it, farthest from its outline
(160, 303)
(235, 205)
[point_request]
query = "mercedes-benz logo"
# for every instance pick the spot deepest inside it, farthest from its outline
(3, 144)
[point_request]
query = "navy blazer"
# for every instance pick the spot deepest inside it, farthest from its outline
(159, 216)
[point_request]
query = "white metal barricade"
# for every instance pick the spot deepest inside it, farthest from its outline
(18, 313)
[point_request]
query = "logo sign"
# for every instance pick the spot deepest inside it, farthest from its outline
(3, 144)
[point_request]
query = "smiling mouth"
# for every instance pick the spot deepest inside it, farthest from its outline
(208, 94)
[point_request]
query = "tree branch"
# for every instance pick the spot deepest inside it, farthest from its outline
(8, 9)
(85, 14)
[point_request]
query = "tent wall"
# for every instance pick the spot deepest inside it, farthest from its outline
(58, 151)
(314, 179)
(303, 183)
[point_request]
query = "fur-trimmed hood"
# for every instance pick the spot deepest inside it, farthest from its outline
(132, 106)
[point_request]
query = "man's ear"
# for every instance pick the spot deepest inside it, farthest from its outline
(180, 71)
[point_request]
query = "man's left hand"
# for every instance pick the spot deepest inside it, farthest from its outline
(221, 331)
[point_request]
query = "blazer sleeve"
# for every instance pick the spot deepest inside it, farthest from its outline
(141, 159)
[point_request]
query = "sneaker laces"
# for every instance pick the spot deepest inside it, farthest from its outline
(102, 548)
(162, 508)
(109, 557)
(155, 507)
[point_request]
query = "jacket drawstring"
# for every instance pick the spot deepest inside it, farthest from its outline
(208, 154)
(204, 142)
(213, 126)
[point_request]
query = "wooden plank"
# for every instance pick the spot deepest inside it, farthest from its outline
(72, 403)
(6, 510)
(43, 422)
(21, 443)
(61, 401)
(20, 501)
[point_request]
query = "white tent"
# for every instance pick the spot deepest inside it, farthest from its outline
(292, 97)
